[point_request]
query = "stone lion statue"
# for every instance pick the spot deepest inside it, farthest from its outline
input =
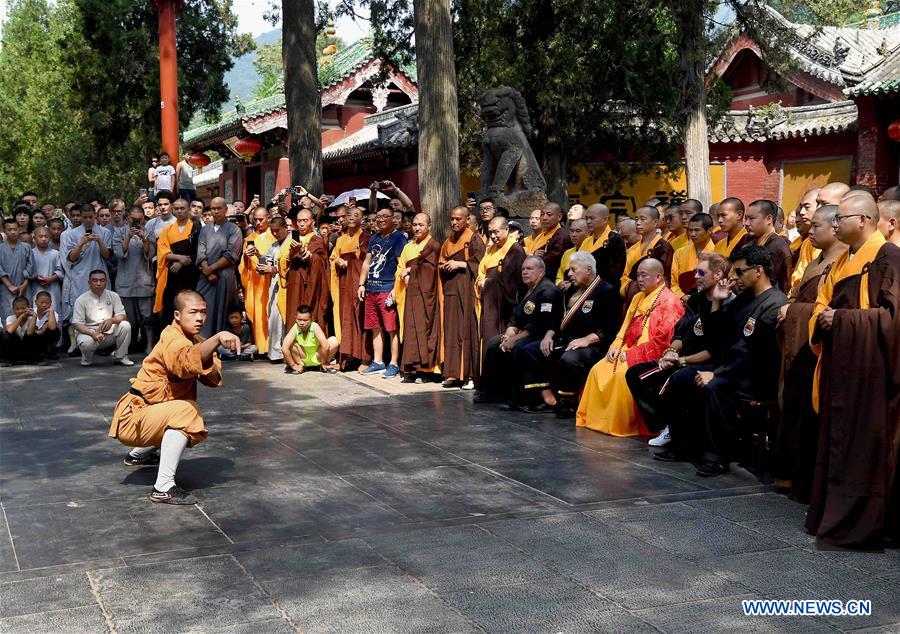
(508, 161)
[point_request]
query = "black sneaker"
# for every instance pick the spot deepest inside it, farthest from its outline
(409, 378)
(175, 495)
(150, 459)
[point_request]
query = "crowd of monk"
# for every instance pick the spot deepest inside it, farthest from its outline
(692, 327)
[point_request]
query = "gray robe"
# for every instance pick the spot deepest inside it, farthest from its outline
(134, 278)
(47, 264)
(16, 264)
(213, 245)
(78, 273)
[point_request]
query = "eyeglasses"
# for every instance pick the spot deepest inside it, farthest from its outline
(838, 218)
(700, 273)
(739, 271)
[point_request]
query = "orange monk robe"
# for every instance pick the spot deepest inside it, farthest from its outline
(167, 382)
(678, 241)
(256, 289)
(683, 266)
(347, 309)
(726, 245)
(420, 315)
(163, 248)
(529, 243)
(592, 242)
(806, 253)
(303, 281)
(637, 252)
(844, 266)
(606, 404)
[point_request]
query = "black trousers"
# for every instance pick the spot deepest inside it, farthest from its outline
(501, 377)
(29, 348)
(564, 371)
(671, 406)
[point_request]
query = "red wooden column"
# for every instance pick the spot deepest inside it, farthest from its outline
(168, 75)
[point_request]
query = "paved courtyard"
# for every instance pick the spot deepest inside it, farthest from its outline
(341, 504)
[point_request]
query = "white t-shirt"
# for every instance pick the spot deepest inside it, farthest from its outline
(21, 330)
(165, 177)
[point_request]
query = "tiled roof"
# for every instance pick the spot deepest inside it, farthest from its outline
(342, 65)
(394, 128)
(882, 81)
(785, 123)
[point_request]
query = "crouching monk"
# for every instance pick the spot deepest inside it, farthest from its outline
(160, 410)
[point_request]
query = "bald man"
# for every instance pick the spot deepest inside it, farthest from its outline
(831, 194)
(607, 246)
(256, 286)
(160, 410)
(346, 265)
(802, 250)
(461, 254)
(416, 293)
(651, 245)
(759, 221)
(606, 404)
(798, 433)
(891, 193)
(553, 241)
(304, 268)
(218, 254)
(499, 279)
(855, 331)
(730, 216)
(889, 220)
(627, 228)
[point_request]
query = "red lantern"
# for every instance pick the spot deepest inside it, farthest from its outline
(247, 147)
(894, 130)
(199, 159)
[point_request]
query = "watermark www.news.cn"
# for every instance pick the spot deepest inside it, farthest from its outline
(806, 607)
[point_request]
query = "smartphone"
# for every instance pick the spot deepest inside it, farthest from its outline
(142, 191)
(295, 235)
(471, 195)
(250, 243)
(136, 225)
(89, 230)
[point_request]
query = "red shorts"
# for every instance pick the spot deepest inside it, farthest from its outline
(378, 315)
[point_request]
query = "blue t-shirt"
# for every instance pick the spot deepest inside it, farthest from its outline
(385, 250)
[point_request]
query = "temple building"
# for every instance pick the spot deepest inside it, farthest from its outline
(827, 120)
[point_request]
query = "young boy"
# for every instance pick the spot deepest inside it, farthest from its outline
(44, 327)
(305, 345)
(239, 327)
(47, 270)
(29, 335)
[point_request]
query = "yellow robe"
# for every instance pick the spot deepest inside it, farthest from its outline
(679, 241)
(256, 290)
(843, 267)
(541, 241)
(634, 253)
(808, 253)
(345, 244)
(592, 242)
(529, 243)
(686, 260)
(606, 404)
(166, 237)
(564, 264)
(726, 245)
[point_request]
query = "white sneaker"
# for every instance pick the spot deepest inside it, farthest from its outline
(662, 440)
(85, 362)
(468, 385)
(126, 361)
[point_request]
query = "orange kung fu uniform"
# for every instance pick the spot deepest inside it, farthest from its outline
(606, 404)
(164, 393)
(683, 266)
(348, 310)
(802, 253)
(256, 290)
(726, 245)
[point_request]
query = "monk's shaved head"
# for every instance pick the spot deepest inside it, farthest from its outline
(188, 297)
(810, 196)
(422, 217)
(653, 212)
(598, 208)
(305, 212)
(218, 201)
(464, 211)
(652, 266)
(693, 205)
(277, 222)
(832, 193)
(889, 209)
(891, 193)
(860, 203)
(579, 223)
(826, 213)
(497, 223)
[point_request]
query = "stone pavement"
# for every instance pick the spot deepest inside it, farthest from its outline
(330, 503)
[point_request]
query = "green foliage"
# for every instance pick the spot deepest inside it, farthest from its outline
(87, 117)
(270, 67)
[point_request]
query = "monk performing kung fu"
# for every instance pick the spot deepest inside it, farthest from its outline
(606, 404)
(499, 279)
(458, 264)
(304, 273)
(855, 330)
(798, 432)
(346, 265)
(417, 295)
(160, 410)
(651, 245)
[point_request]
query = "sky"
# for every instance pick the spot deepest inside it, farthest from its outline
(250, 20)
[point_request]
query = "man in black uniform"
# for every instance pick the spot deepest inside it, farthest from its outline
(562, 359)
(653, 383)
(741, 336)
(540, 309)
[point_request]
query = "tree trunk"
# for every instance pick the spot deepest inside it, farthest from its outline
(555, 166)
(301, 94)
(438, 118)
(692, 41)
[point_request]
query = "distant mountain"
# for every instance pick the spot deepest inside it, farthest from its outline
(242, 79)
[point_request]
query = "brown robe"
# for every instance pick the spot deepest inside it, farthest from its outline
(462, 346)
(354, 342)
(421, 312)
(798, 430)
(163, 395)
(780, 250)
(854, 501)
(559, 243)
(307, 283)
(501, 289)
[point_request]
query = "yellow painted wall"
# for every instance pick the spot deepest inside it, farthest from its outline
(627, 197)
(798, 177)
